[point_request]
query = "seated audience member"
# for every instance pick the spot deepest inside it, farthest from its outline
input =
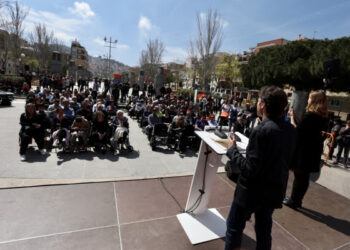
(121, 130)
(31, 127)
(80, 132)
(201, 123)
(111, 108)
(166, 119)
(177, 129)
(85, 110)
(239, 125)
(152, 120)
(61, 128)
(212, 122)
(100, 131)
(189, 118)
(67, 110)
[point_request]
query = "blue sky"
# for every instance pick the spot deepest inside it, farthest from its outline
(246, 22)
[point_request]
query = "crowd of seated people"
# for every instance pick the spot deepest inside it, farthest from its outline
(182, 117)
(72, 121)
(89, 117)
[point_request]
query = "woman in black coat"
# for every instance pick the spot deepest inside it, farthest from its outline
(309, 145)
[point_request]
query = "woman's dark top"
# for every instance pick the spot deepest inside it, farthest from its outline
(100, 127)
(166, 119)
(64, 123)
(310, 142)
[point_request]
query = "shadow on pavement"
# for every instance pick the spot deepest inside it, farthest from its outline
(34, 156)
(339, 225)
(64, 157)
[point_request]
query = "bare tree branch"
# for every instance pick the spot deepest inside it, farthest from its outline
(206, 45)
(152, 57)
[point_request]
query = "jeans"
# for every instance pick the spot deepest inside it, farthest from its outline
(236, 221)
(346, 149)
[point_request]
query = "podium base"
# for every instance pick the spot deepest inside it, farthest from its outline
(203, 227)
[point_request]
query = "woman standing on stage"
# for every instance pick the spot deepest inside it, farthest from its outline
(309, 145)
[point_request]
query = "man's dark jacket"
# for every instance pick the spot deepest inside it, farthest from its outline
(264, 170)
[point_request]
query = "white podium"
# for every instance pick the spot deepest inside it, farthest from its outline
(200, 223)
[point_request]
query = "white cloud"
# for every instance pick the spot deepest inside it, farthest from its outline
(99, 41)
(145, 23)
(65, 27)
(175, 54)
(82, 9)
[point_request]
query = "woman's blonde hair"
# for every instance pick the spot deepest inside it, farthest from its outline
(318, 104)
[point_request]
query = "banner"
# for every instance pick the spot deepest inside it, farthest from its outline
(117, 78)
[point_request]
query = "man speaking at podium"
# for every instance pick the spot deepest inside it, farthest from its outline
(263, 178)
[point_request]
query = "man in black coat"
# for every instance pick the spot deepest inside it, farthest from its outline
(262, 183)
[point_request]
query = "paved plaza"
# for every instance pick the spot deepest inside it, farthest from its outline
(141, 215)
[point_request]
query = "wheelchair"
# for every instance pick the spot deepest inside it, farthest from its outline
(159, 136)
(115, 143)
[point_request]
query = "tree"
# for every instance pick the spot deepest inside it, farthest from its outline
(299, 64)
(41, 39)
(228, 68)
(151, 57)
(206, 45)
(14, 23)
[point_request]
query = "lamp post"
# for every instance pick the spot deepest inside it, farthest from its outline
(22, 56)
(110, 42)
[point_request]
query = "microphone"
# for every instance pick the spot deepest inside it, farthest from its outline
(219, 133)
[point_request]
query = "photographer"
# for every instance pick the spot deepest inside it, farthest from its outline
(31, 127)
(263, 178)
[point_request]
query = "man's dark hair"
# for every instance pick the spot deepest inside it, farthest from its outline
(275, 99)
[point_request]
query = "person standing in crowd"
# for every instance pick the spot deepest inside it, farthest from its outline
(335, 133)
(344, 144)
(31, 127)
(233, 115)
(262, 183)
(310, 145)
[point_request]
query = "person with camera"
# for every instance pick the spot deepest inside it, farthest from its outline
(31, 127)
(263, 177)
(80, 132)
(344, 144)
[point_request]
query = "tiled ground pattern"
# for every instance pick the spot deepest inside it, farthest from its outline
(134, 215)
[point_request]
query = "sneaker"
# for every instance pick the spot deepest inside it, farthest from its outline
(335, 162)
(23, 157)
(54, 144)
(345, 165)
(42, 151)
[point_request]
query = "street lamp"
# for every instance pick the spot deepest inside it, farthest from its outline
(110, 42)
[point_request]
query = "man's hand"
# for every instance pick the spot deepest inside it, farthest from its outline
(231, 140)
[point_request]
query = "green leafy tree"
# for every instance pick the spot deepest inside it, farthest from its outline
(228, 68)
(299, 64)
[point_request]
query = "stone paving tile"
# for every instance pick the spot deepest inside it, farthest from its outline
(141, 200)
(161, 234)
(30, 212)
(326, 218)
(101, 239)
(280, 238)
